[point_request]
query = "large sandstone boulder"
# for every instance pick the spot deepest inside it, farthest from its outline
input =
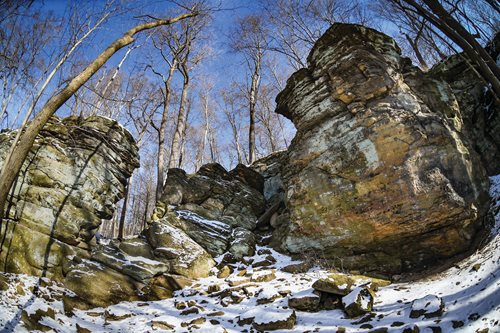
(379, 176)
(76, 172)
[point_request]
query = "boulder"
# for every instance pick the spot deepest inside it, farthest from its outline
(379, 177)
(358, 302)
(215, 194)
(275, 319)
(76, 172)
(429, 306)
(242, 244)
(306, 300)
(342, 284)
(172, 245)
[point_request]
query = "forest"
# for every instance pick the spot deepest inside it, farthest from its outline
(249, 166)
(201, 90)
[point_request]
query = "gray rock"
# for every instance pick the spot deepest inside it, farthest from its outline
(173, 245)
(215, 194)
(243, 243)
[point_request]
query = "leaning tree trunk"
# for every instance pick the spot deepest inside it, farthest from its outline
(14, 162)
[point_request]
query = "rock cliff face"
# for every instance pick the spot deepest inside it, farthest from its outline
(76, 172)
(380, 176)
(74, 175)
(479, 113)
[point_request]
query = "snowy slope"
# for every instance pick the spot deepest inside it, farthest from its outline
(469, 290)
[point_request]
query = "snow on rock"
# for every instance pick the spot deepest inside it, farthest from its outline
(359, 301)
(275, 319)
(468, 290)
(428, 306)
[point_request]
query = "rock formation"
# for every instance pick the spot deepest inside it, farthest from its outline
(385, 175)
(380, 176)
(75, 174)
(216, 208)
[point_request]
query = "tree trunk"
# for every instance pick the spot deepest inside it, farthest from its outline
(14, 162)
(175, 152)
(162, 133)
(253, 102)
(418, 54)
(123, 214)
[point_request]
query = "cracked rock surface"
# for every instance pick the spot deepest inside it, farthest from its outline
(379, 176)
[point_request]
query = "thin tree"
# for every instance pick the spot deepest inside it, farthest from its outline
(445, 22)
(250, 39)
(187, 60)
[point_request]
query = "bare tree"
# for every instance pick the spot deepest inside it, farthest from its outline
(250, 38)
(187, 60)
(452, 22)
(232, 110)
(295, 25)
(15, 159)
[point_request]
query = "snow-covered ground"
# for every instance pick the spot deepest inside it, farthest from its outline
(469, 290)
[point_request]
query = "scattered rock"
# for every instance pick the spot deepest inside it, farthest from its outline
(358, 302)
(297, 268)
(263, 276)
(237, 280)
(32, 320)
(224, 272)
(429, 306)
(266, 296)
(343, 284)
(275, 319)
(196, 321)
(161, 325)
(193, 310)
(81, 329)
(304, 301)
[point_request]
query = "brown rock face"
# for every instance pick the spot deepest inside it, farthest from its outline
(379, 176)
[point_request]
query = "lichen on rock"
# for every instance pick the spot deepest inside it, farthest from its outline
(379, 177)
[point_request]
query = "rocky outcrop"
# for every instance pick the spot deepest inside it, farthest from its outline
(479, 112)
(379, 176)
(76, 172)
(233, 198)
(216, 208)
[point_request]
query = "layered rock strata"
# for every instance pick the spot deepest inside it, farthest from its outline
(380, 176)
